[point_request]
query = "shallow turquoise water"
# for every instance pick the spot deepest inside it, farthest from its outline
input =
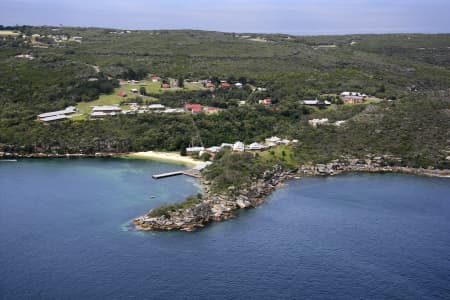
(64, 234)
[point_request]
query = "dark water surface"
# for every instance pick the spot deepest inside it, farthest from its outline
(64, 234)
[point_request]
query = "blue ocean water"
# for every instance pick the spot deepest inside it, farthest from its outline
(64, 234)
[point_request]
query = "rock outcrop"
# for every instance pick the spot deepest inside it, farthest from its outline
(218, 207)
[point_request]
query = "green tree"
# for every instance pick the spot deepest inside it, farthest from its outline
(181, 82)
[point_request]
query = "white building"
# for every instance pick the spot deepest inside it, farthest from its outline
(339, 123)
(274, 140)
(173, 110)
(239, 146)
(68, 111)
(357, 94)
(106, 108)
(156, 107)
(226, 145)
(54, 118)
(256, 146)
(98, 114)
(195, 149)
(315, 122)
(316, 102)
(213, 149)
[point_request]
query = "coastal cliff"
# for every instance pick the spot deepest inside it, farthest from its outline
(222, 206)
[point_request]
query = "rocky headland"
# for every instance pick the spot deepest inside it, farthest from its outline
(222, 206)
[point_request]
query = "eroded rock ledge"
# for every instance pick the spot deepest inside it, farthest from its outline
(218, 207)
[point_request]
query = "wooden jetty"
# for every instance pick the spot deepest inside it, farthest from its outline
(192, 173)
(164, 175)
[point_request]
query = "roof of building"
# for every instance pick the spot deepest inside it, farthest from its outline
(256, 146)
(54, 118)
(173, 110)
(195, 149)
(214, 149)
(194, 107)
(68, 110)
(98, 114)
(156, 106)
(266, 101)
(310, 102)
(273, 139)
(354, 97)
(106, 108)
(238, 145)
(316, 102)
(353, 94)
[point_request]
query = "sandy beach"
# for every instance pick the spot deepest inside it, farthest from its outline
(166, 156)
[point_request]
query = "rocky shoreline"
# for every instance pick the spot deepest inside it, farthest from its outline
(218, 207)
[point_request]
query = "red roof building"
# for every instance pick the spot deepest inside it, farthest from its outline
(194, 108)
(166, 86)
(122, 94)
(209, 85)
(267, 101)
(226, 84)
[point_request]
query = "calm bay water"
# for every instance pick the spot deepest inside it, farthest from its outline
(64, 234)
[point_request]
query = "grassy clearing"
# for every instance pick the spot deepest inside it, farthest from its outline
(85, 107)
(150, 87)
(282, 153)
(191, 86)
(165, 210)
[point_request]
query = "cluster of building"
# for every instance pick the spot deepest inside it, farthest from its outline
(105, 110)
(210, 85)
(241, 147)
(347, 97)
(57, 115)
(113, 110)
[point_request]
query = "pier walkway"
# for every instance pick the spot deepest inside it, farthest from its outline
(194, 172)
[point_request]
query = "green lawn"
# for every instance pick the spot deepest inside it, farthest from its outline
(150, 87)
(85, 107)
(276, 154)
(193, 86)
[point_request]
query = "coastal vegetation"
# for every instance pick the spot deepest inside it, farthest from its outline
(405, 119)
(407, 73)
(166, 209)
